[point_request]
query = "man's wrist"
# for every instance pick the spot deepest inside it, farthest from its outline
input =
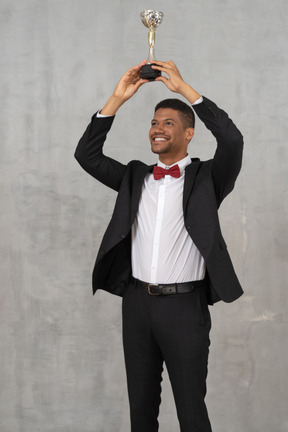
(112, 106)
(189, 93)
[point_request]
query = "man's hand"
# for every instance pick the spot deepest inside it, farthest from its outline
(127, 86)
(175, 82)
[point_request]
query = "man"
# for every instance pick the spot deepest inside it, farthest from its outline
(163, 250)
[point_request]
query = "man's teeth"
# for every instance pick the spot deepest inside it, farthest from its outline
(160, 139)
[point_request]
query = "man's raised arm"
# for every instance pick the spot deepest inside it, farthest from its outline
(175, 82)
(89, 152)
(125, 89)
(228, 156)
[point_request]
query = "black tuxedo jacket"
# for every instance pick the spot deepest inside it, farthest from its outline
(206, 185)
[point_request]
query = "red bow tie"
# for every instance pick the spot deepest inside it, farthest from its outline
(159, 172)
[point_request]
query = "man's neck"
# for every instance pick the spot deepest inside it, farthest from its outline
(168, 160)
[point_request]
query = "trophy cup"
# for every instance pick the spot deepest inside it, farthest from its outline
(151, 19)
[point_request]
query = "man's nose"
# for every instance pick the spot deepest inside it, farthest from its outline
(159, 129)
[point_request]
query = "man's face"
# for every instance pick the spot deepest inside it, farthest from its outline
(167, 134)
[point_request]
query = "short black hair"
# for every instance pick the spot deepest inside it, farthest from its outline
(185, 111)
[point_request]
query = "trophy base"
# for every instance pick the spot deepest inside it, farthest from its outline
(148, 73)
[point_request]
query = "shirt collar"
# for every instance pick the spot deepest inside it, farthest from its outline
(182, 164)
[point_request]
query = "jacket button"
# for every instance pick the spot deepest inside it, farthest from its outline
(122, 235)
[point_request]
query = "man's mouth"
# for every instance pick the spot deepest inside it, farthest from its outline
(159, 139)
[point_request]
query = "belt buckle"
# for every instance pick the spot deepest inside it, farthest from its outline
(151, 285)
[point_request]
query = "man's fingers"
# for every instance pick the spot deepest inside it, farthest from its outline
(169, 62)
(162, 78)
(138, 85)
(164, 65)
(169, 70)
(159, 67)
(134, 70)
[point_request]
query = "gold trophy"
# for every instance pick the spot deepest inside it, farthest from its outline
(151, 19)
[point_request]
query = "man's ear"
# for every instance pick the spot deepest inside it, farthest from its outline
(189, 133)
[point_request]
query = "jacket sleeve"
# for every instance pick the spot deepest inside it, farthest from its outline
(90, 156)
(227, 160)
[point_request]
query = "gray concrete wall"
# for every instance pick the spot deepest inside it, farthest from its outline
(61, 356)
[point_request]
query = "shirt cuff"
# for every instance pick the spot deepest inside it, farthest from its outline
(102, 115)
(198, 101)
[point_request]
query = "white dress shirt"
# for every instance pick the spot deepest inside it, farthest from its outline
(162, 250)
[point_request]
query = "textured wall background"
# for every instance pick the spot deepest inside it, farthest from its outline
(61, 356)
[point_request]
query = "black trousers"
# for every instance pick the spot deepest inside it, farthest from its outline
(173, 329)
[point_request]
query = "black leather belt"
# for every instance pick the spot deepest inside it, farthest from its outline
(165, 289)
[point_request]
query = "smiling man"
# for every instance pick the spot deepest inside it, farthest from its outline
(163, 250)
(172, 128)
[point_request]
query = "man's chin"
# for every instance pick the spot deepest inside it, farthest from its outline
(159, 150)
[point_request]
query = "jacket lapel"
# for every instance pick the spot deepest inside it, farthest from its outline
(190, 173)
(138, 180)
